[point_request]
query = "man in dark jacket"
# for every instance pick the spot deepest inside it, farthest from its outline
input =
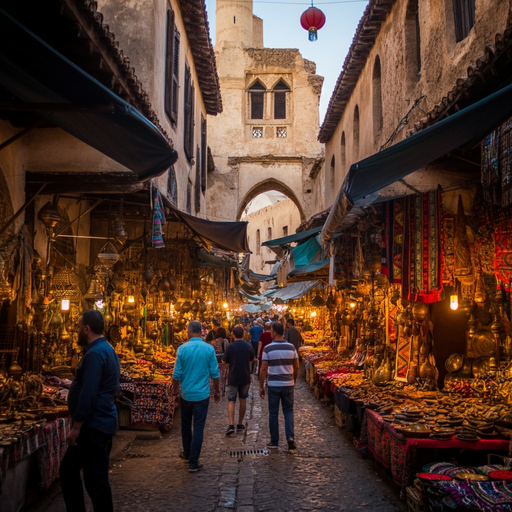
(94, 419)
(292, 334)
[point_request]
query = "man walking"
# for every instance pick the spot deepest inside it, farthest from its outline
(255, 332)
(292, 334)
(281, 362)
(239, 356)
(195, 364)
(94, 419)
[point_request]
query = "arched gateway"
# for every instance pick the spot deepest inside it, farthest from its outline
(266, 137)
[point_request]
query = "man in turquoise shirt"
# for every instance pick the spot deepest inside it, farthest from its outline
(195, 364)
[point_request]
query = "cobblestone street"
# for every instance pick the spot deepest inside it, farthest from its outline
(325, 474)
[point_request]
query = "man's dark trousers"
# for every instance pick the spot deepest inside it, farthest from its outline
(91, 455)
(192, 442)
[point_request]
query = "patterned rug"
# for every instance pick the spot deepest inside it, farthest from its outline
(422, 255)
(403, 358)
(503, 256)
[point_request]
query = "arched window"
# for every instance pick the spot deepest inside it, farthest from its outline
(463, 17)
(343, 155)
(356, 132)
(412, 43)
(332, 175)
(257, 95)
(189, 197)
(377, 98)
(280, 91)
(258, 242)
(172, 186)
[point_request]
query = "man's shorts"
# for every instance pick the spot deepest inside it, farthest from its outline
(242, 391)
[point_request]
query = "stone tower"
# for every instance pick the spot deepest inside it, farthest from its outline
(236, 24)
(266, 137)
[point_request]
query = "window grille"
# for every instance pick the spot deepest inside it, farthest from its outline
(257, 133)
(464, 18)
(281, 132)
(172, 68)
(172, 186)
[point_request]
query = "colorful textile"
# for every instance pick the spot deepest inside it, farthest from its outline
(503, 256)
(393, 239)
(157, 235)
(343, 263)
(152, 403)
(448, 248)
(505, 163)
(403, 358)
(490, 175)
(49, 441)
(422, 255)
(50, 457)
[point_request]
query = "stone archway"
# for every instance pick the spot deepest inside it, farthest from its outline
(266, 186)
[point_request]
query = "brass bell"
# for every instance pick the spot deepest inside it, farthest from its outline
(94, 292)
(49, 215)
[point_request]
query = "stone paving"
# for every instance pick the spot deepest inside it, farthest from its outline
(324, 474)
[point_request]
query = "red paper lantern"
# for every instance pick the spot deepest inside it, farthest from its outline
(312, 20)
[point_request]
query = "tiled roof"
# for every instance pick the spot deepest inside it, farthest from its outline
(195, 20)
(490, 71)
(367, 31)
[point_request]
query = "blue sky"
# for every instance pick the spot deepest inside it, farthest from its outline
(281, 29)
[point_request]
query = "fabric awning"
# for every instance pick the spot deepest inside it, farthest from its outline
(253, 298)
(315, 266)
(285, 240)
(381, 169)
(255, 308)
(260, 277)
(295, 290)
(208, 259)
(36, 73)
(231, 236)
(304, 253)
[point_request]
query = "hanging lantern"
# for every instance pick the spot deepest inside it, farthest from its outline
(94, 292)
(49, 215)
(108, 256)
(312, 20)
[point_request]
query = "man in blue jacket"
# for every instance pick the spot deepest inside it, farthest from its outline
(94, 419)
(195, 364)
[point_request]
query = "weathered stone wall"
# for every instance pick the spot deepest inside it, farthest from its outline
(140, 26)
(442, 62)
(276, 217)
(246, 166)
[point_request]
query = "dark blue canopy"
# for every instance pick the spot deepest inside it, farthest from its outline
(36, 73)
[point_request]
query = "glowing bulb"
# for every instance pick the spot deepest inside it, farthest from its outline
(99, 304)
(131, 299)
(454, 302)
(225, 305)
(352, 304)
(209, 303)
(313, 314)
(64, 305)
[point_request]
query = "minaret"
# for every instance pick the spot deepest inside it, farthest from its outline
(236, 23)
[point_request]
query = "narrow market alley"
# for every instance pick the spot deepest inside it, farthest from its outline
(325, 473)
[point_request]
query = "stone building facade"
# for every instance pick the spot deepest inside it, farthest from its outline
(159, 48)
(405, 53)
(274, 221)
(266, 137)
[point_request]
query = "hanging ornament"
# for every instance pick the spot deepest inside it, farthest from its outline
(312, 20)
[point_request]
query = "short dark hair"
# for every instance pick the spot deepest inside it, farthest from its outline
(276, 317)
(195, 327)
(215, 321)
(278, 328)
(290, 321)
(94, 319)
(238, 332)
(221, 333)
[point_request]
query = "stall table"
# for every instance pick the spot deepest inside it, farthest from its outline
(152, 404)
(393, 451)
(47, 444)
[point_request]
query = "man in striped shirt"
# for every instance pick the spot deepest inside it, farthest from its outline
(280, 362)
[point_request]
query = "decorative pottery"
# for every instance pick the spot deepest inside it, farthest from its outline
(454, 363)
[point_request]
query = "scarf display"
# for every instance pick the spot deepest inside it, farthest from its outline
(422, 254)
(503, 255)
(393, 238)
(157, 234)
(463, 269)
(496, 166)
